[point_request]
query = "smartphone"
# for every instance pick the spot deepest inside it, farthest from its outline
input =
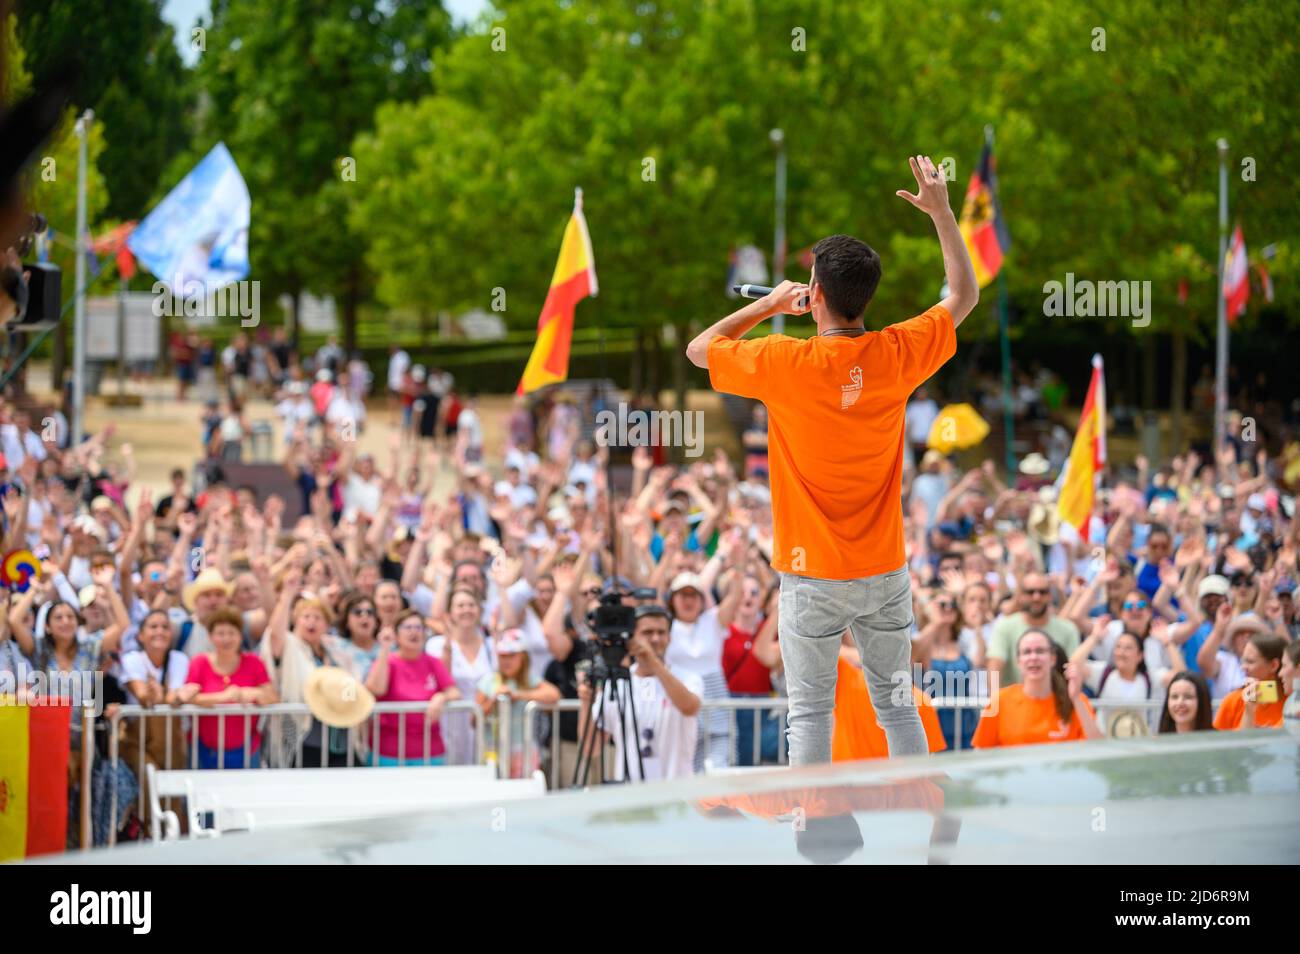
(1266, 691)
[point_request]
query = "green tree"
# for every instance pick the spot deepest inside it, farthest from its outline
(131, 76)
(288, 87)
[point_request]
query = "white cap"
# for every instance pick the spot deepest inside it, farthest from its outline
(687, 580)
(1256, 502)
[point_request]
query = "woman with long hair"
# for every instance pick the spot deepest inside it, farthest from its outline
(938, 649)
(359, 627)
(1187, 704)
(1258, 704)
(1048, 705)
(467, 653)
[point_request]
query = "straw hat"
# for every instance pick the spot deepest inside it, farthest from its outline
(209, 579)
(337, 698)
(1034, 465)
(1044, 524)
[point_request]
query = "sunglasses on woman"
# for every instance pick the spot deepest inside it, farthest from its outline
(1135, 604)
(362, 611)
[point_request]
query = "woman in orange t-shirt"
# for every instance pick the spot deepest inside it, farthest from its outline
(1262, 662)
(1046, 706)
(856, 734)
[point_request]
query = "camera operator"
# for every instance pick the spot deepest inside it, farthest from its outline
(666, 705)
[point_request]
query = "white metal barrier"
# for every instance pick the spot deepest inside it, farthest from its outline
(179, 748)
(218, 802)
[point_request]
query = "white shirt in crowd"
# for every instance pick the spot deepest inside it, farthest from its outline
(697, 647)
(137, 666)
(18, 447)
(1231, 676)
(342, 409)
(1117, 689)
(361, 495)
(469, 425)
(920, 418)
(667, 742)
(397, 366)
(294, 411)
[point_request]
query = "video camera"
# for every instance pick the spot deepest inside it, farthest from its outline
(613, 624)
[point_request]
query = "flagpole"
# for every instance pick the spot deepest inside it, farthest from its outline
(1221, 358)
(1004, 338)
(79, 315)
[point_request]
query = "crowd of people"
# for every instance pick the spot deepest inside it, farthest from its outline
(463, 571)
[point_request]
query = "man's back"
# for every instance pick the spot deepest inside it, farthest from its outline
(836, 408)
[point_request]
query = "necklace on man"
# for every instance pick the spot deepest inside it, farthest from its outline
(845, 332)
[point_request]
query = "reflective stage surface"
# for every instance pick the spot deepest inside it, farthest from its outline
(1209, 798)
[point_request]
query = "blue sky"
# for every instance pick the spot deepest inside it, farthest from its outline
(183, 13)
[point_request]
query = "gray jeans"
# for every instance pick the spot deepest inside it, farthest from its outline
(814, 615)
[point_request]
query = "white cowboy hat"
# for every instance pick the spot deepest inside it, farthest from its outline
(209, 579)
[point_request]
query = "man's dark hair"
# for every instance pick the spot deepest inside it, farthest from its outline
(848, 271)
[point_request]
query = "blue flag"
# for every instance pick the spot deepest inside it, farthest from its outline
(196, 239)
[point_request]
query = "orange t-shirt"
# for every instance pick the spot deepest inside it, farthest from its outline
(835, 409)
(1268, 715)
(1016, 719)
(857, 734)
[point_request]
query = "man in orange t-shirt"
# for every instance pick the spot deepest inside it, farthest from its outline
(857, 734)
(836, 405)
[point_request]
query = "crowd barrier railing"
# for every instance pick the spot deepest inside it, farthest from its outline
(173, 733)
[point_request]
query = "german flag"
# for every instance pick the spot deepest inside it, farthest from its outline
(33, 778)
(574, 280)
(981, 222)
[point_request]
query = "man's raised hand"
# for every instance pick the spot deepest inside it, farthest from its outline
(932, 187)
(789, 298)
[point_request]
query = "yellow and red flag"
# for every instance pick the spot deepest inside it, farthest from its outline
(33, 778)
(574, 280)
(1077, 486)
(981, 221)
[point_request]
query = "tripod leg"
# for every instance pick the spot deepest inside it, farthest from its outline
(590, 732)
(636, 730)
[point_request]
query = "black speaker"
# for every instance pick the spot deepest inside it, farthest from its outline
(44, 293)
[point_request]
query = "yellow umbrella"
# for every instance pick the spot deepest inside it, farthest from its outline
(958, 426)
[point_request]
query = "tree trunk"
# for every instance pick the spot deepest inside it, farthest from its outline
(656, 376)
(1178, 384)
(295, 332)
(679, 376)
(637, 376)
(1150, 345)
(351, 300)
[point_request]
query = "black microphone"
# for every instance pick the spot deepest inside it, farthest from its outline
(760, 291)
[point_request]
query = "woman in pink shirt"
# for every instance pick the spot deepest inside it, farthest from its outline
(226, 676)
(404, 672)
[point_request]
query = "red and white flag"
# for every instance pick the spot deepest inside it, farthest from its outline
(1236, 276)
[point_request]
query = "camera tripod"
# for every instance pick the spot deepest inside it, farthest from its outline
(608, 677)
